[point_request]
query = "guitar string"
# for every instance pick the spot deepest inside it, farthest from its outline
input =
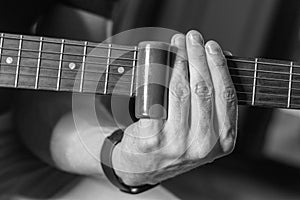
(71, 43)
(130, 66)
(237, 60)
(133, 49)
(270, 103)
(129, 84)
(130, 75)
(240, 101)
(265, 86)
(69, 61)
(64, 54)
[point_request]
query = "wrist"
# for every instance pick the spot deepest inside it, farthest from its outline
(107, 157)
(123, 168)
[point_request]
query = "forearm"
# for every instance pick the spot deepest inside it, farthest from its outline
(59, 136)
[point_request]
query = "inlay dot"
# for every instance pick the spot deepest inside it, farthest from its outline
(72, 65)
(9, 60)
(121, 70)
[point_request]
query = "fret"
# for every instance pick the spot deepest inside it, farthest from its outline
(107, 69)
(72, 66)
(53, 64)
(295, 93)
(120, 72)
(95, 70)
(133, 70)
(1, 43)
(38, 64)
(290, 85)
(18, 61)
(83, 66)
(60, 64)
(254, 82)
(272, 81)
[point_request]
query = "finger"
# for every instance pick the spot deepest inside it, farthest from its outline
(179, 100)
(200, 84)
(227, 53)
(179, 85)
(225, 95)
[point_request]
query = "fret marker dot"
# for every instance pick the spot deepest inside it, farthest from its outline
(121, 70)
(9, 60)
(72, 65)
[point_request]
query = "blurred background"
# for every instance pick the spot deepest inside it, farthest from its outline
(266, 161)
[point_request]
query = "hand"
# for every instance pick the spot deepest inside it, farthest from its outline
(201, 124)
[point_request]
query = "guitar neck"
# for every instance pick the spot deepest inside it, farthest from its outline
(42, 63)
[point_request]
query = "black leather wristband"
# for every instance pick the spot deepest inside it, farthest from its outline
(106, 163)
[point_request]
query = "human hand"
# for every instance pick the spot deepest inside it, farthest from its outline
(201, 124)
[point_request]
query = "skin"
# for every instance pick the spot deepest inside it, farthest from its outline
(202, 118)
(201, 127)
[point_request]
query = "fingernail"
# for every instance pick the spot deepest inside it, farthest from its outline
(179, 40)
(196, 38)
(213, 48)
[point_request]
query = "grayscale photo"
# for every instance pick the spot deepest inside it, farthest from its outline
(149, 100)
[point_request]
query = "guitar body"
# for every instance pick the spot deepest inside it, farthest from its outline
(25, 175)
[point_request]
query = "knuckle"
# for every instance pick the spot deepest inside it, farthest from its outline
(202, 90)
(230, 94)
(180, 90)
(180, 63)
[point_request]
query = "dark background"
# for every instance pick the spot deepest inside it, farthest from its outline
(262, 165)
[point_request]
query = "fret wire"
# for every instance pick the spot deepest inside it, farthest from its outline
(69, 54)
(68, 70)
(272, 104)
(107, 70)
(66, 78)
(254, 83)
(264, 86)
(233, 68)
(83, 66)
(66, 61)
(38, 63)
(60, 64)
(266, 94)
(120, 58)
(1, 45)
(266, 79)
(130, 48)
(238, 92)
(265, 102)
(133, 71)
(111, 73)
(18, 61)
(73, 43)
(261, 62)
(290, 86)
(264, 71)
(241, 69)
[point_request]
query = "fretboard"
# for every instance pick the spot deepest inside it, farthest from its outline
(42, 63)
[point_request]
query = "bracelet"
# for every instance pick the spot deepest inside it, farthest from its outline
(106, 163)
